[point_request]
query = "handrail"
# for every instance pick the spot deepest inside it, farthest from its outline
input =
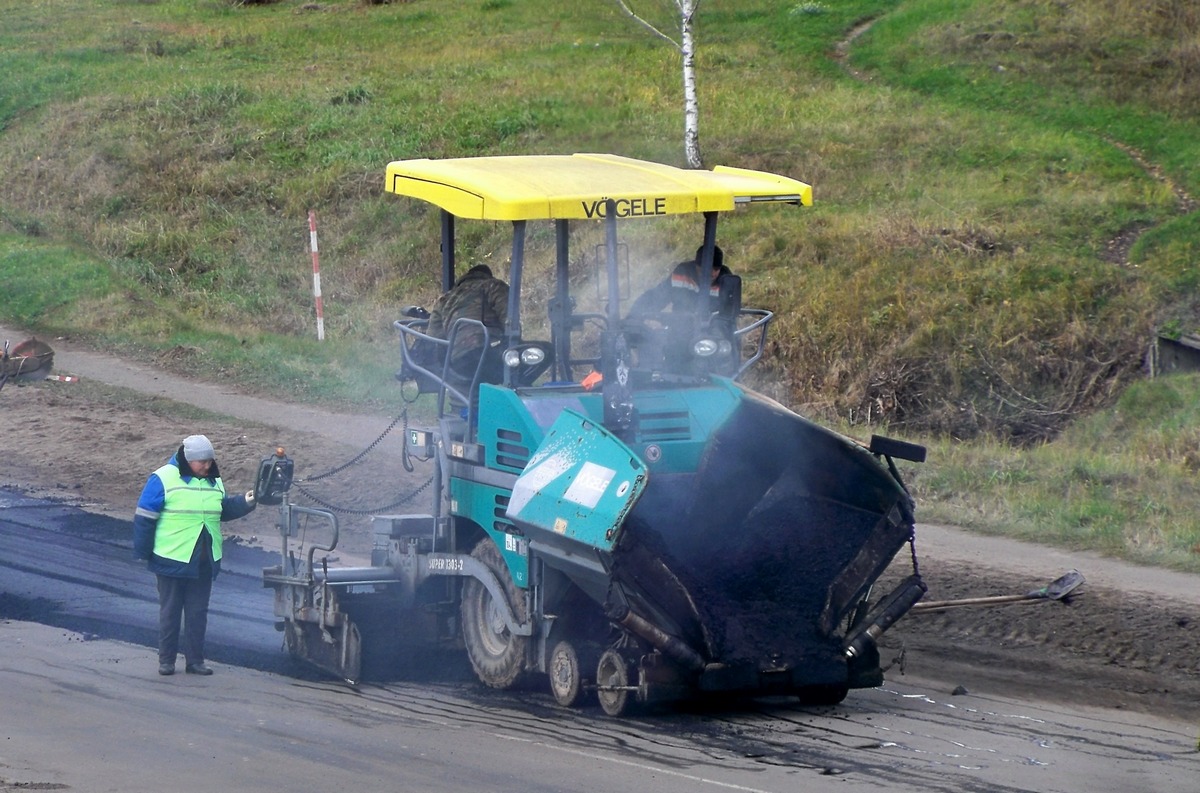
(407, 328)
(312, 549)
(760, 324)
(287, 526)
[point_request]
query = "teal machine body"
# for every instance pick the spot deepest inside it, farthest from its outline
(622, 514)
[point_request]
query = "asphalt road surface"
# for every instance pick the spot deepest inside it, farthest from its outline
(84, 709)
(62, 566)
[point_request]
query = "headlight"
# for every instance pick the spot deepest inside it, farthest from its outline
(703, 348)
(530, 356)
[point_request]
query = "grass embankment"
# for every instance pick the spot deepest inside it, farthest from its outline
(965, 272)
(1122, 481)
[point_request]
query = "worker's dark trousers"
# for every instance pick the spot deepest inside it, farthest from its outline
(183, 600)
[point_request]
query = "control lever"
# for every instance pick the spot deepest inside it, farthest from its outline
(274, 478)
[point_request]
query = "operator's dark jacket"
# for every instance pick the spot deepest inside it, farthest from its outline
(144, 526)
(679, 291)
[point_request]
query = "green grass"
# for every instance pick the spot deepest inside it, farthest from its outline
(1120, 71)
(961, 277)
(57, 282)
(1122, 481)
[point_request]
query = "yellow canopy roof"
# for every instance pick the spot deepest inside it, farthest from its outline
(543, 187)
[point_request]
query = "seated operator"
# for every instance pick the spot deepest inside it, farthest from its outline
(678, 292)
(481, 296)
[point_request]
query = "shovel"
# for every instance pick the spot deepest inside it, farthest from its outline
(1058, 589)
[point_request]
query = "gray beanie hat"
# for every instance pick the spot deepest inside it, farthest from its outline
(197, 448)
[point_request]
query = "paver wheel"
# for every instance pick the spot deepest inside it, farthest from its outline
(496, 653)
(613, 680)
(567, 673)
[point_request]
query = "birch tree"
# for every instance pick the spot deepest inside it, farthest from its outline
(687, 49)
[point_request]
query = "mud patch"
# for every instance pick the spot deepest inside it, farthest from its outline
(1103, 647)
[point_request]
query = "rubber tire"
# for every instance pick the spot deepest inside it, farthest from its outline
(613, 670)
(497, 655)
(566, 675)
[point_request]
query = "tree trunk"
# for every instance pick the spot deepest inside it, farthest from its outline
(691, 105)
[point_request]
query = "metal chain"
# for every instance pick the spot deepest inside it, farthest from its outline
(358, 457)
(912, 544)
(404, 458)
(375, 511)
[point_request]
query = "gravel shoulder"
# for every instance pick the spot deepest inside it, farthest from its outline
(1130, 639)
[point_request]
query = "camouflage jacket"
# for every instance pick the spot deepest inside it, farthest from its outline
(477, 295)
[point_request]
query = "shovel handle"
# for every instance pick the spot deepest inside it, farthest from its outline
(1058, 589)
(939, 605)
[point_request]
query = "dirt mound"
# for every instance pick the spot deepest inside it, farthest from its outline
(1102, 647)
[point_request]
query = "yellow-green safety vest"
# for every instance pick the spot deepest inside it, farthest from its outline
(187, 508)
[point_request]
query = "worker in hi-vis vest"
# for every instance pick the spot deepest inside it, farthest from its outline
(177, 529)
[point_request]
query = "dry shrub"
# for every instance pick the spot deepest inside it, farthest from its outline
(954, 329)
(1027, 392)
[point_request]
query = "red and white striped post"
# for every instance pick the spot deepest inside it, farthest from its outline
(312, 236)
